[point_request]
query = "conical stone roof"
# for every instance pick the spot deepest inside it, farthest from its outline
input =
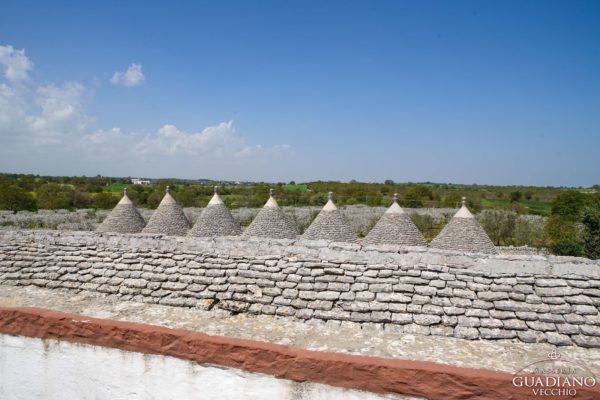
(168, 218)
(124, 218)
(330, 224)
(215, 220)
(463, 233)
(395, 227)
(271, 222)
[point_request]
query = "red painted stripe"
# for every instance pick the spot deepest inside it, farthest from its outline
(380, 375)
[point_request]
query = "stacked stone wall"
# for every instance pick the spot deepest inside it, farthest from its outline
(416, 290)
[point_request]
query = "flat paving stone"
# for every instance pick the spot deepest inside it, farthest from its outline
(499, 355)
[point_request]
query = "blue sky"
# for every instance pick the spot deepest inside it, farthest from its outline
(465, 92)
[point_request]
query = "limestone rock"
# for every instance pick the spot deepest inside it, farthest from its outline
(271, 222)
(463, 233)
(215, 220)
(330, 224)
(168, 219)
(395, 227)
(124, 218)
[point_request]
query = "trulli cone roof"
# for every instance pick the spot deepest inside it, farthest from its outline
(168, 218)
(463, 233)
(395, 227)
(330, 224)
(215, 220)
(124, 218)
(271, 222)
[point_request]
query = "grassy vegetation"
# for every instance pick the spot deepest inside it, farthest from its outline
(86, 192)
(116, 187)
(572, 226)
(535, 207)
(301, 188)
(538, 207)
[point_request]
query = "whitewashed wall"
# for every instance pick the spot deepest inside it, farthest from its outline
(46, 369)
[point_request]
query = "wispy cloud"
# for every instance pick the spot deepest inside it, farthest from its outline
(48, 125)
(16, 64)
(131, 77)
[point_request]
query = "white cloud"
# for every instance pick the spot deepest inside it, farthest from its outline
(16, 63)
(258, 150)
(62, 115)
(34, 115)
(44, 115)
(215, 142)
(169, 140)
(47, 128)
(133, 76)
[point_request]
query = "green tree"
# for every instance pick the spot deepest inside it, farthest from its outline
(423, 191)
(451, 200)
(105, 201)
(54, 196)
(13, 198)
(529, 232)
(591, 234)
(570, 204)
(560, 229)
(27, 182)
(499, 225)
(411, 199)
(80, 199)
(562, 236)
(568, 247)
(424, 223)
(188, 197)
(154, 198)
(515, 196)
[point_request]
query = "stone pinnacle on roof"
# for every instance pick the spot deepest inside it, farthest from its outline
(215, 220)
(168, 218)
(330, 224)
(463, 233)
(395, 227)
(124, 218)
(271, 222)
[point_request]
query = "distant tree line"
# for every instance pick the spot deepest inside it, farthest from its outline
(572, 229)
(572, 226)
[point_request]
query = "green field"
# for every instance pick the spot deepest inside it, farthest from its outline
(301, 188)
(116, 187)
(533, 206)
(537, 207)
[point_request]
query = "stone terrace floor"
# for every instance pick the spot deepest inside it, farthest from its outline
(350, 338)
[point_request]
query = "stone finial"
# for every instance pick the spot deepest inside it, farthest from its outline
(270, 192)
(329, 195)
(216, 190)
(168, 188)
(464, 201)
(395, 197)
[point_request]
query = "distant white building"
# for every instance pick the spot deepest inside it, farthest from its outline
(137, 181)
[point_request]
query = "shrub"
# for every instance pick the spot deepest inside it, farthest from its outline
(515, 196)
(567, 247)
(499, 225)
(591, 235)
(411, 199)
(424, 222)
(105, 201)
(54, 196)
(529, 230)
(13, 198)
(569, 204)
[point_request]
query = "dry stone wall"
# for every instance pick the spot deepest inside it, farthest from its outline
(413, 290)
